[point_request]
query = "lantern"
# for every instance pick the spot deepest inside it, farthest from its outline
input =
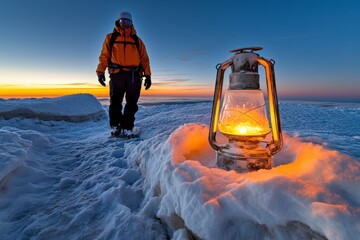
(250, 142)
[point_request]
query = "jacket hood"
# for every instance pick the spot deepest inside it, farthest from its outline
(131, 30)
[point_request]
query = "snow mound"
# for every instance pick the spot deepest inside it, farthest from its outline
(313, 194)
(15, 145)
(73, 108)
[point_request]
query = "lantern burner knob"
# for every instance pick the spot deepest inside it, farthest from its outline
(241, 50)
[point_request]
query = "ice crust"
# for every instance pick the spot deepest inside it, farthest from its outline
(69, 180)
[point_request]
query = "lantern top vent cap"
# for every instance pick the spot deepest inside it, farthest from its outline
(241, 50)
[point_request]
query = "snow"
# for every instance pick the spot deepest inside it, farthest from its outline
(67, 179)
(77, 108)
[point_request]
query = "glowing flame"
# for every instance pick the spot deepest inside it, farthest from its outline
(243, 129)
(249, 130)
(244, 114)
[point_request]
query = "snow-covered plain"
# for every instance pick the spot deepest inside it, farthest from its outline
(62, 177)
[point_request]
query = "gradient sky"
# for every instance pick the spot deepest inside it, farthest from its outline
(56, 43)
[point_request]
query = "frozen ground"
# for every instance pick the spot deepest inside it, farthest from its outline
(67, 179)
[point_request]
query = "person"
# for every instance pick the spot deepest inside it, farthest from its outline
(125, 56)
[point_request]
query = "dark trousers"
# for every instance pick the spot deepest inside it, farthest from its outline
(128, 84)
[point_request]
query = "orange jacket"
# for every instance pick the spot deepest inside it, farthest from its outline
(123, 54)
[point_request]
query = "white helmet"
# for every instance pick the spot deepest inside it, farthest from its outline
(125, 15)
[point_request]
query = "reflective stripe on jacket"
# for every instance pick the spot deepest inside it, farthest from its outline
(124, 52)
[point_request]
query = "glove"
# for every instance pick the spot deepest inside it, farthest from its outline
(147, 83)
(101, 79)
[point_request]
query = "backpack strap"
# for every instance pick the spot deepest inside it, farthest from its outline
(136, 40)
(114, 35)
(137, 44)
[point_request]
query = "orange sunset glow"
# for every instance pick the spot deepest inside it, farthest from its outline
(38, 91)
(157, 89)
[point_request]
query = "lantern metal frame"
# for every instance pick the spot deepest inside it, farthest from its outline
(262, 158)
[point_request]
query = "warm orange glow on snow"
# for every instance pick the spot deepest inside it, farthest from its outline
(303, 168)
(191, 143)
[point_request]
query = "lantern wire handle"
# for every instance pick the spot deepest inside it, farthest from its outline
(221, 67)
(277, 142)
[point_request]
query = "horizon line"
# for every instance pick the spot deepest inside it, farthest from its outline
(203, 96)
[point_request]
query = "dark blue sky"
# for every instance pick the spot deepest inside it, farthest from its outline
(314, 43)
